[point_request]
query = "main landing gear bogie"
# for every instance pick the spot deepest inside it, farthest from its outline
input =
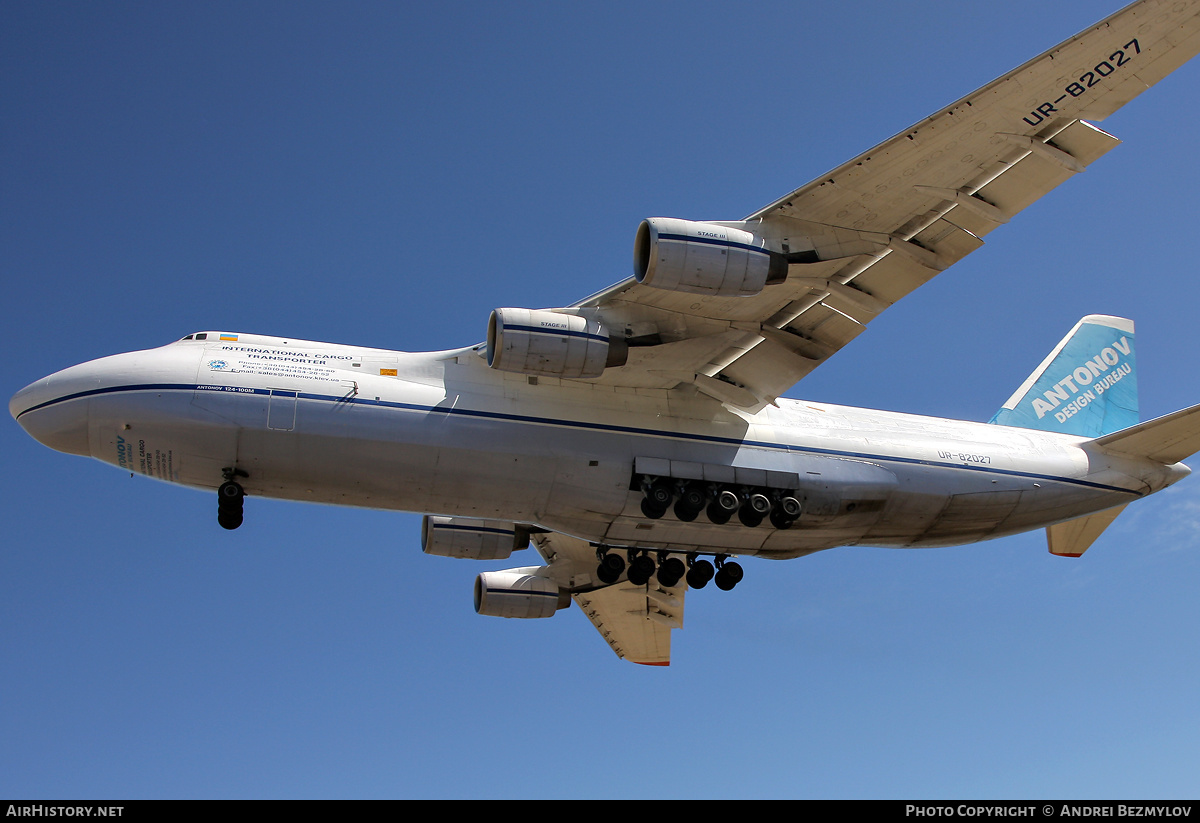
(720, 502)
(668, 570)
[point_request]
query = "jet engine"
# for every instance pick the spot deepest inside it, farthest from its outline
(704, 258)
(472, 539)
(518, 593)
(551, 343)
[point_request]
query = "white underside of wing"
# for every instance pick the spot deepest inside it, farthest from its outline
(636, 621)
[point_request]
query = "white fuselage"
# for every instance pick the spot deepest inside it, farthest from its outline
(442, 433)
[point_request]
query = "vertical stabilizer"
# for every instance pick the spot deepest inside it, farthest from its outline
(1086, 386)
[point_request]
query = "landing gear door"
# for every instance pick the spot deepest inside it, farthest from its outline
(281, 410)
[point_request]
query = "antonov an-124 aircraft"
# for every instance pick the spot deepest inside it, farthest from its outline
(638, 438)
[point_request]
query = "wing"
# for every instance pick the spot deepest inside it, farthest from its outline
(859, 238)
(636, 621)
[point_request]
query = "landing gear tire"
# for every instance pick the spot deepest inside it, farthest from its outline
(230, 497)
(759, 502)
(690, 503)
(670, 571)
(749, 517)
(652, 511)
(610, 569)
(660, 494)
(723, 507)
(641, 569)
(780, 520)
(728, 576)
(699, 574)
(789, 507)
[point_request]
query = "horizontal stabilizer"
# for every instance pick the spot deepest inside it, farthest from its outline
(1167, 439)
(1071, 539)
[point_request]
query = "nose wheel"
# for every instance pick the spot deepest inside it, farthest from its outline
(230, 496)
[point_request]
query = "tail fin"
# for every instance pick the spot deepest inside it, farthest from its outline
(1087, 386)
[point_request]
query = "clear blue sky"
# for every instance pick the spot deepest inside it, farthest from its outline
(386, 174)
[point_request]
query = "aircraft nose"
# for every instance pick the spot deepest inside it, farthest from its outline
(54, 410)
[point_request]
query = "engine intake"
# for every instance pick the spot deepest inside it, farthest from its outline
(518, 593)
(551, 343)
(704, 258)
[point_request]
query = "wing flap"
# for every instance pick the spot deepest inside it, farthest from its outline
(886, 222)
(827, 315)
(636, 621)
(829, 303)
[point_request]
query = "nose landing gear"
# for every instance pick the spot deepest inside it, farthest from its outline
(230, 497)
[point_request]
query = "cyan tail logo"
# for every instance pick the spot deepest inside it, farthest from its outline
(1087, 386)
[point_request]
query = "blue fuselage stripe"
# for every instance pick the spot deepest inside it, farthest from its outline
(579, 424)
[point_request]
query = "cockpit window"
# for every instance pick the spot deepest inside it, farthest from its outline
(202, 336)
(189, 337)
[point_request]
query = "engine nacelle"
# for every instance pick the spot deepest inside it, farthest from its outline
(518, 593)
(470, 538)
(551, 343)
(704, 258)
